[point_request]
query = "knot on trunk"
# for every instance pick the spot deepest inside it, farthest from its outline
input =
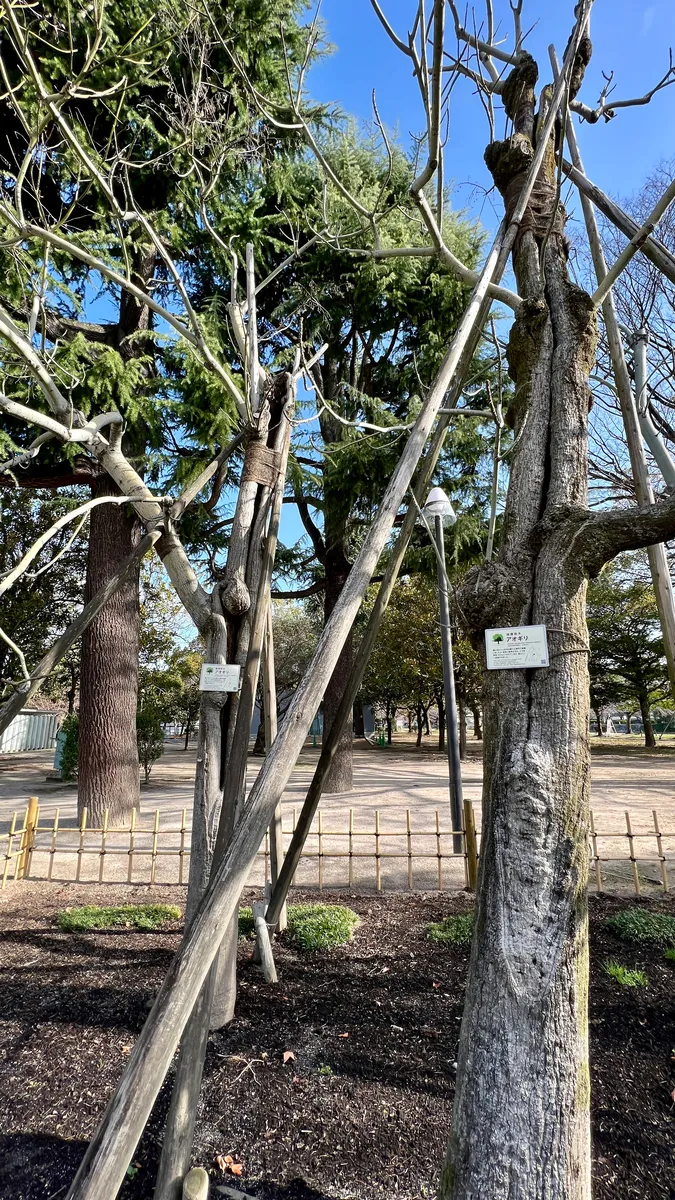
(235, 596)
(518, 93)
(522, 353)
(491, 595)
(509, 163)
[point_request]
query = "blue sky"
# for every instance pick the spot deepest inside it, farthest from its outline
(631, 39)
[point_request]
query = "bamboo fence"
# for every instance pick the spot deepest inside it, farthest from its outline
(140, 852)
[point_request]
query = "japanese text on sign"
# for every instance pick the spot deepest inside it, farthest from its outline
(516, 646)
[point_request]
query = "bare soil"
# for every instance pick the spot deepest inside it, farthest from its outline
(361, 1109)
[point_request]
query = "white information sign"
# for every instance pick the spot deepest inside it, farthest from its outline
(219, 677)
(516, 646)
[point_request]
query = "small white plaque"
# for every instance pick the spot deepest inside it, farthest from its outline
(219, 677)
(516, 646)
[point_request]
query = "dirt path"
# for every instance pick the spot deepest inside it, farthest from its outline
(386, 781)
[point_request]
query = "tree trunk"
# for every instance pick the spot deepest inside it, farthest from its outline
(418, 742)
(629, 727)
(427, 727)
(461, 713)
(441, 721)
(340, 774)
(648, 728)
(597, 712)
(188, 730)
(389, 725)
(108, 767)
(521, 1125)
(477, 729)
(359, 729)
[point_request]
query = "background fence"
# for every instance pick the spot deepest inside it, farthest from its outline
(30, 730)
(364, 853)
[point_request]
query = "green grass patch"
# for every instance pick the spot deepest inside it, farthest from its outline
(625, 976)
(117, 916)
(320, 926)
(456, 930)
(310, 926)
(645, 928)
(246, 926)
(670, 955)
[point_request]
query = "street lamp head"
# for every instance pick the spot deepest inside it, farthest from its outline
(438, 505)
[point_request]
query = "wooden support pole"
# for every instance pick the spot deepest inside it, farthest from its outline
(80, 848)
(104, 1165)
(101, 860)
(196, 1185)
(262, 934)
(652, 249)
(276, 836)
(471, 845)
(52, 847)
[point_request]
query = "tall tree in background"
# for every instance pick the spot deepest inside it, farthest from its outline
(627, 656)
(120, 362)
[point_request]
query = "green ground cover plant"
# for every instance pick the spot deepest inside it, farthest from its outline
(453, 930)
(310, 926)
(625, 975)
(120, 916)
(645, 928)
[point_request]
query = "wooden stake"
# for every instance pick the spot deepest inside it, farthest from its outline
(409, 847)
(270, 711)
(636, 877)
(596, 856)
(28, 840)
(181, 851)
(80, 848)
(471, 845)
(101, 860)
(321, 851)
(8, 855)
(132, 828)
(438, 853)
(52, 848)
(351, 847)
(155, 836)
(378, 877)
(263, 939)
(662, 857)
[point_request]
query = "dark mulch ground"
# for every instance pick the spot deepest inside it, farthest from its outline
(363, 1108)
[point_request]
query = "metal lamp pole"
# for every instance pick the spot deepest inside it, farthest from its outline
(439, 507)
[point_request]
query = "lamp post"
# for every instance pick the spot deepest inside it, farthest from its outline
(439, 508)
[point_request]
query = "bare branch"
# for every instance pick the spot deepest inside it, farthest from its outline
(608, 109)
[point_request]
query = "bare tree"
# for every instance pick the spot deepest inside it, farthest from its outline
(521, 1117)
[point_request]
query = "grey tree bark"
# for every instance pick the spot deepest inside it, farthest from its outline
(521, 1115)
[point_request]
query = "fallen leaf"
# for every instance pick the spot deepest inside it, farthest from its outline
(288, 1056)
(435, 985)
(236, 1168)
(343, 1035)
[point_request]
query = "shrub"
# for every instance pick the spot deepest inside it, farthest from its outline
(320, 926)
(639, 925)
(71, 730)
(454, 930)
(149, 738)
(625, 976)
(140, 916)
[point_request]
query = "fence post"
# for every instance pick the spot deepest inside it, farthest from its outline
(8, 856)
(629, 835)
(471, 845)
(662, 857)
(29, 838)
